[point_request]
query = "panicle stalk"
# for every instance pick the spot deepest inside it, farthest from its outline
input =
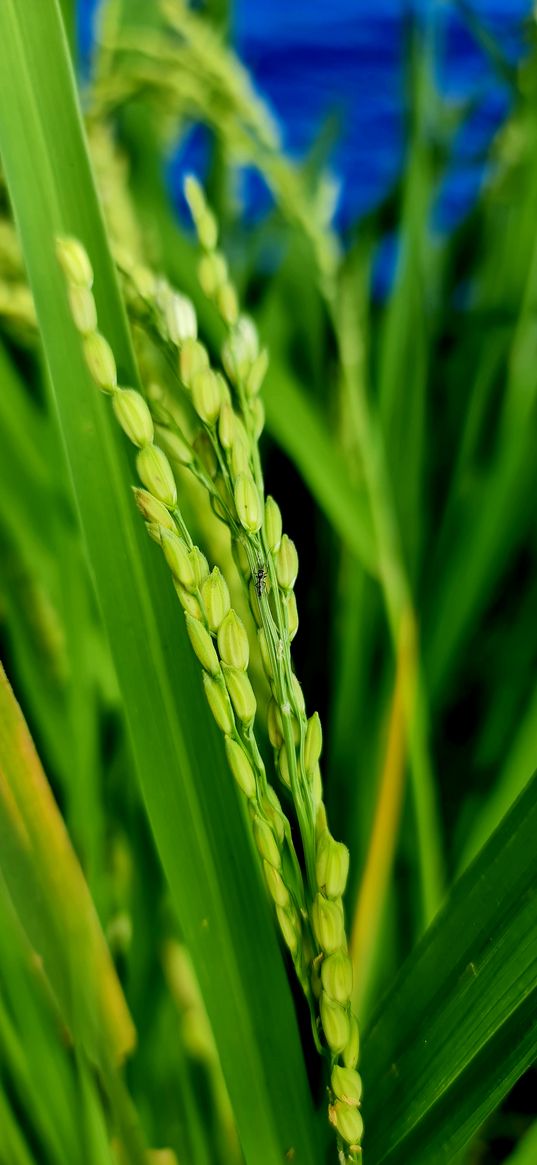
(217, 635)
(224, 458)
(273, 566)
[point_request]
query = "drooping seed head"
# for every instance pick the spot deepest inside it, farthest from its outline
(273, 525)
(248, 503)
(335, 1023)
(331, 865)
(206, 395)
(203, 645)
(328, 924)
(100, 361)
(266, 843)
(152, 510)
(336, 975)
(240, 767)
(74, 262)
(216, 600)
(233, 641)
(241, 692)
(83, 309)
(346, 1085)
(286, 564)
(351, 1050)
(134, 417)
(219, 704)
(156, 473)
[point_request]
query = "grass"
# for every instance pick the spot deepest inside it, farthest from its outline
(397, 437)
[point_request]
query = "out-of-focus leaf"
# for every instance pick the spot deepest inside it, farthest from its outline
(515, 774)
(190, 797)
(47, 888)
(526, 1150)
(458, 1026)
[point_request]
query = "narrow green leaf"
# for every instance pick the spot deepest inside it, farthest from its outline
(478, 554)
(24, 474)
(526, 1150)
(36, 1062)
(188, 791)
(458, 1027)
(515, 774)
(405, 340)
(478, 547)
(13, 1147)
(51, 898)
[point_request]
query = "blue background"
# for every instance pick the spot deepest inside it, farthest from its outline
(344, 60)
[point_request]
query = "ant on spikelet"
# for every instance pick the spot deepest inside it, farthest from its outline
(260, 579)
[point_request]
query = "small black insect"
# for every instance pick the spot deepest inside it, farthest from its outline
(260, 579)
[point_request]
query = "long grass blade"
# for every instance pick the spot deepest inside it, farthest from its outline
(50, 895)
(188, 792)
(456, 1029)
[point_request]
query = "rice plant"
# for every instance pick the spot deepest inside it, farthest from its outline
(267, 833)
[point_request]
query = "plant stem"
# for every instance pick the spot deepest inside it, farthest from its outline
(398, 604)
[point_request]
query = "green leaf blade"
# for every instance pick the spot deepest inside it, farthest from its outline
(187, 787)
(455, 1033)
